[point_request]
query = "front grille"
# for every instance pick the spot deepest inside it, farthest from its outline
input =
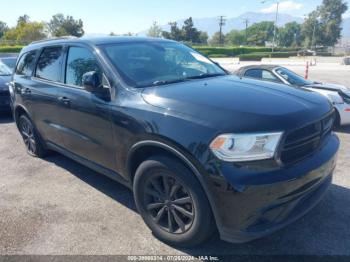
(302, 142)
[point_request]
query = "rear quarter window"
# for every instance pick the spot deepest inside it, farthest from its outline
(26, 64)
(49, 64)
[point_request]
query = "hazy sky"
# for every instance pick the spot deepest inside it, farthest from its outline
(121, 16)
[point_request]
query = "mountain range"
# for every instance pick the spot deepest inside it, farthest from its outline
(210, 24)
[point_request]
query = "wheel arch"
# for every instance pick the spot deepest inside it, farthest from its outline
(144, 149)
(20, 110)
(338, 121)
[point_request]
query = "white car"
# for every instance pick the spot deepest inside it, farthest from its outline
(338, 95)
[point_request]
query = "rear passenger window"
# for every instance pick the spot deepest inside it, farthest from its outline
(80, 61)
(26, 64)
(255, 73)
(49, 64)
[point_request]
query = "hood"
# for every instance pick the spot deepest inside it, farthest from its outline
(330, 87)
(240, 104)
(4, 80)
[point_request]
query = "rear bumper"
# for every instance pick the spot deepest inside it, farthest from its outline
(269, 200)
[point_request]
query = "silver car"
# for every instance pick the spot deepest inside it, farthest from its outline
(338, 95)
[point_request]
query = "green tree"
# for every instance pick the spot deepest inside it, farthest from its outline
(236, 37)
(260, 33)
(190, 33)
(23, 19)
(323, 26)
(290, 35)
(215, 39)
(26, 32)
(331, 12)
(203, 38)
(155, 30)
(3, 28)
(63, 26)
(175, 32)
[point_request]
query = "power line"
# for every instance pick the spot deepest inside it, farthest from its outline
(222, 22)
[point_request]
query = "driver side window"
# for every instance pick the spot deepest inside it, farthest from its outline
(80, 61)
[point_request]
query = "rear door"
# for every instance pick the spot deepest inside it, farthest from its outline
(37, 82)
(85, 117)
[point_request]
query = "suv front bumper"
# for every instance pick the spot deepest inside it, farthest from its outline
(255, 204)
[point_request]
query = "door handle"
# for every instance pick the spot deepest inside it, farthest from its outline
(64, 100)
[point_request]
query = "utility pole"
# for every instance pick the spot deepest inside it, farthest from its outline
(222, 22)
(275, 27)
(246, 22)
(275, 24)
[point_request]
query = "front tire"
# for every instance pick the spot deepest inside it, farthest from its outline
(172, 202)
(31, 138)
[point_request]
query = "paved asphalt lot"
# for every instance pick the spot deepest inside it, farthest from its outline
(56, 206)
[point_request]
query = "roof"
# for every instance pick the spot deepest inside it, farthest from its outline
(264, 66)
(91, 41)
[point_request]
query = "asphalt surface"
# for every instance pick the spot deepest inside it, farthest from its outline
(56, 206)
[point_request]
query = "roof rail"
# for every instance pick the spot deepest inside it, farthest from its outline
(53, 39)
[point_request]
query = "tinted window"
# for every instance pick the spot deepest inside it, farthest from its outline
(261, 74)
(80, 61)
(267, 75)
(49, 64)
(26, 64)
(255, 73)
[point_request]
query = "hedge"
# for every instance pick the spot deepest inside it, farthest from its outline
(236, 51)
(259, 56)
(10, 49)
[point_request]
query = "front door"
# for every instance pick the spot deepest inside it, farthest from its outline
(85, 117)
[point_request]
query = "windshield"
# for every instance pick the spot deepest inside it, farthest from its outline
(4, 70)
(143, 64)
(292, 77)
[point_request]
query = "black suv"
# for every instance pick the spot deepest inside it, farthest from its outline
(202, 150)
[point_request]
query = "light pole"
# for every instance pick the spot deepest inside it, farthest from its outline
(275, 24)
(313, 42)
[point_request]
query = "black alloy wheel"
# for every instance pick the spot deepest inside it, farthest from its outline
(172, 202)
(31, 139)
(169, 203)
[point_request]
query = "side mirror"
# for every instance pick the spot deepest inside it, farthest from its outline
(91, 81)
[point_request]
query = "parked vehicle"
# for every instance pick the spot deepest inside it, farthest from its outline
(201, 150)
(9, 61)
(338, 95)
(306, 52)
(5, 77)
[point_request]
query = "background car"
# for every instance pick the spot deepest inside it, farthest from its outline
(306, 52)
(5, 76)
(9, 61)
(338, 95)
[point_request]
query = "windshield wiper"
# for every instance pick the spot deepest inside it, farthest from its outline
(165, 82)
(205, 76)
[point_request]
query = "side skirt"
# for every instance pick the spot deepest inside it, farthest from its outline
(85, 162)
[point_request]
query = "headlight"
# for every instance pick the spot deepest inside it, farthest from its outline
(245, 147)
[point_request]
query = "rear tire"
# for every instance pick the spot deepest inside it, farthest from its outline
(172, 202)
(34, 145)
